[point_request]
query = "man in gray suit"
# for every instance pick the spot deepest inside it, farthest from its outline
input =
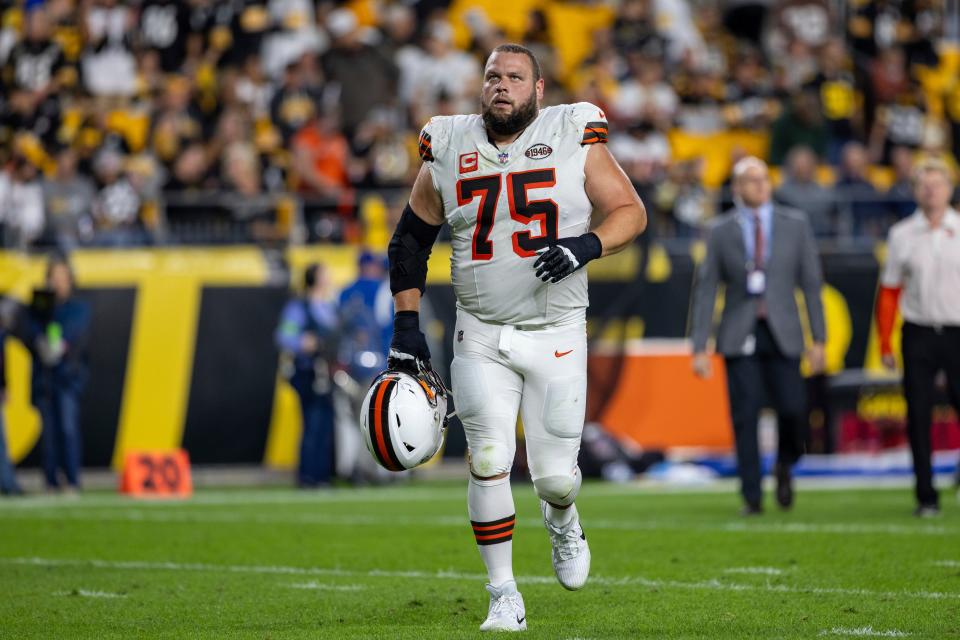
(761, 252)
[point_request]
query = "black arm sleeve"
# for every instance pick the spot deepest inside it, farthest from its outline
(409, 250)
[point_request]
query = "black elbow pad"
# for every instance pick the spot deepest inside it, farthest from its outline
(409, 251)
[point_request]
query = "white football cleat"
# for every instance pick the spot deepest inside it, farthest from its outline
(571, 553)
(507, 612)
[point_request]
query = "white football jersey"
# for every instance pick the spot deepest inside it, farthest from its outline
(503, 204)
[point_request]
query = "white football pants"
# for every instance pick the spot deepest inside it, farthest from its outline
(499, 370)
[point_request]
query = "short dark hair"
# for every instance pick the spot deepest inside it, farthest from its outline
(519, 48)
(311, 275)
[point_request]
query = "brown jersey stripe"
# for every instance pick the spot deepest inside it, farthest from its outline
(426, 152)
(599, 124)
(594, 139)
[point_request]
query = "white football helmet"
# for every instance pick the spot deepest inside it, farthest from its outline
(404, 418)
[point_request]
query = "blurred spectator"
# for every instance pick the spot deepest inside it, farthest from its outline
(116, 207)
(8, 482)
(856, 195)
(296, 102)
(900, 122)
(701, 109)
(644, 97)
(808, 22)
(34, 71)
(321, 154)
(178, 123)
(108, 66)
(760, 333)
(440, 70)
(253, 90)
(888, 74)
(239, 29)
(801, 191)
(644, 155)
(165, 26)
(745, 18)
(363, 76)
(190, 171)
(921, 277)
(799, 125)
(840, 101)
(307, 336)
(57, 334)
(293, 35)
(383, 146)
(900, 194)
(366, 317)
(749, 103)
(684, 197)
(21, 203)
(635, 27)
(68, 198)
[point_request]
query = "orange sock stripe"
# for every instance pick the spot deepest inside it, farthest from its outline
(495, 536)
(490, 527)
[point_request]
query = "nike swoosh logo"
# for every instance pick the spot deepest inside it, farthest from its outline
(520, 620)
(560, 354)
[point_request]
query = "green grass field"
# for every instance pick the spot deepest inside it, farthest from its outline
(400, 562)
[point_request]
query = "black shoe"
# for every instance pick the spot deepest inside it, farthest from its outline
(15, 490)
(927, 511)
(784, 486)
(751, 510)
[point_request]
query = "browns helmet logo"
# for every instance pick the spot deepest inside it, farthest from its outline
(538, 152)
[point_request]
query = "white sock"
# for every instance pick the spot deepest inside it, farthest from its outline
(561, 517)
(490, 504)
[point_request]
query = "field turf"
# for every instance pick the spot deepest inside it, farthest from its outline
(400, 562)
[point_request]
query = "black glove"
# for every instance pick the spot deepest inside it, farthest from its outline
(408, 349)
(566, 256)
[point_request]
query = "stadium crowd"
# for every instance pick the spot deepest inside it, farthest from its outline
(118, 117)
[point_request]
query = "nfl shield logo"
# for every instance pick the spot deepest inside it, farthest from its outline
(503, 157)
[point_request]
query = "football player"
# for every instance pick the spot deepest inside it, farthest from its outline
(517, 184)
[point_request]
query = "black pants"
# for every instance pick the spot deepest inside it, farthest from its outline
(750, 380)
(925, 352)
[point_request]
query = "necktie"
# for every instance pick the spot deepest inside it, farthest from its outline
(758, 249)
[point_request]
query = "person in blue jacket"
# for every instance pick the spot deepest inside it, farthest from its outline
(58, 329)
(307, 337)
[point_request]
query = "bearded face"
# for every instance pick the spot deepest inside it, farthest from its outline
(505, 117)
(510, 99)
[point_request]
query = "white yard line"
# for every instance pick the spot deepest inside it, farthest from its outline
(948, 564)
(867, 631)
(85, 593)
(638, 581)
(135, 514)
(755, 571)
(325, 586)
